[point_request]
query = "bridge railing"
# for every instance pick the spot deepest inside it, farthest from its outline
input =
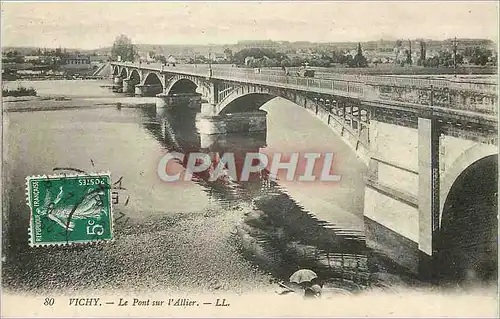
(459, 94)
(484, 85)
(401, 81)
(352, 89)
(437, 96)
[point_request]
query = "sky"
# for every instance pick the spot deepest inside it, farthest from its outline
(91, 25)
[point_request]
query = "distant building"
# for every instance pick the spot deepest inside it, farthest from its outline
(80, 60)
(184, 58)
(76, 63)
(150, 58)
(432, 53)
(31, 58)
(29, 72)
(219, 58)
(249, 60)
(39, 59)
(171, 59)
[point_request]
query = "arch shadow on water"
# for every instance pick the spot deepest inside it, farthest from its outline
(275, 232)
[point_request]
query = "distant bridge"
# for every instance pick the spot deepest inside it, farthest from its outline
(428, 144)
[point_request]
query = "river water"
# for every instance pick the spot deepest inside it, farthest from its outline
(196, 235)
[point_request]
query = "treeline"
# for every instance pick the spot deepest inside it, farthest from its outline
(475, 56)
(265, 57)
(480, 56)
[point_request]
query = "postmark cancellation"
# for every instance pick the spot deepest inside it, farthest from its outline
(69, 209)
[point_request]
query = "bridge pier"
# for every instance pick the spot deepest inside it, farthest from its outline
(402, 194)
(128, 86)
(232, 123)
(138, 90)
(191, 100)
(117, 84)
(428, 194)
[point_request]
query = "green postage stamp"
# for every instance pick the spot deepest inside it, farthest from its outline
(69, 209)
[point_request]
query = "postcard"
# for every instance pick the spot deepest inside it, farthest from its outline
(250, 159)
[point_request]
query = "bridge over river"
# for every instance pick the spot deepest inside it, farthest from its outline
(430, 145)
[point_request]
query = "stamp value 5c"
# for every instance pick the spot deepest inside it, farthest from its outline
(69, 209)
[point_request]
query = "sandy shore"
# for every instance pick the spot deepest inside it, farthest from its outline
(161, 254)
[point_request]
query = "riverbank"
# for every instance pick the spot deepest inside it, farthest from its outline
(59, 95)
(167, 237)
(146, 260)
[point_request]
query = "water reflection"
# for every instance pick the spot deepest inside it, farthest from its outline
(275, 232)
(176, 131)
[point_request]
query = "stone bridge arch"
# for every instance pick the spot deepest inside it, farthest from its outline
(249, 99)
(238, 102)
(152, 83)
(124, 73)
(153, 78)
(116, 70)
(466, 244)
(135, 76)
(467, 158)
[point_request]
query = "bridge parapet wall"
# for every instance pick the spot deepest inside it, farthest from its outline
(481, 101)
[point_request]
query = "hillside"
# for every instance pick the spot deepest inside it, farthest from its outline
(284, 46)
